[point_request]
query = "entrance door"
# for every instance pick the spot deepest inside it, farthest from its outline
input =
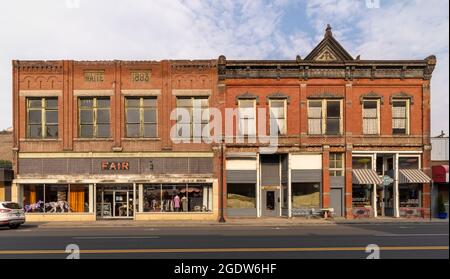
(270, 203)
(336, 201)
(112, 203)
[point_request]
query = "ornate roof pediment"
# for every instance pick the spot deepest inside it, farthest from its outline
(329, 50)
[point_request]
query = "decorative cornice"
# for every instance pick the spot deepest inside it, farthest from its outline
(402, 95)
(278, 96)
(371, 95)
(247, 96)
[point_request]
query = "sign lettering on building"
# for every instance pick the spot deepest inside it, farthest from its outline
(140, 76)
(94, 76)
(115, 166)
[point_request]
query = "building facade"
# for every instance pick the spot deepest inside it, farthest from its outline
(439, 164)
(96, 140)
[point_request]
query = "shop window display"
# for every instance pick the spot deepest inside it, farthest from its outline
(177, 198)
(54, 199)
(305, 195)
(410, 195)
(241, 196)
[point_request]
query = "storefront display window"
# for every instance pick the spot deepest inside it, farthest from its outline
(241, 196)
(410, 195)
(362, 163)
(305, 195)
(362, 195)
(56, 198)
(408, 163)
(177, 198)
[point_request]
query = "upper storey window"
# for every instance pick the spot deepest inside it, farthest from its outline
(325, 117)
(247, 117)
(278, 117)
(400, 117)
(192, 116)
(94, 117)
(371, 117)
(42, 118)
(141, 117)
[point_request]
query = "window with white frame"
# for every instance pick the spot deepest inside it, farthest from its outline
(400, 117)
(198, 116)
(278, 117)
(325, 117)
(336, 164)
(247, 117)
(371, 117)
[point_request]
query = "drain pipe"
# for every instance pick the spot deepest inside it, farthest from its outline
(221, 188)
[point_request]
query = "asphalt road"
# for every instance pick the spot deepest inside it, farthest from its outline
(406, 241)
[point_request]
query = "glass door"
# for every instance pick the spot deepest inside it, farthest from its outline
(114, 202)
(121, 204)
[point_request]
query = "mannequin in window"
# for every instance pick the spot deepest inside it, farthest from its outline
(184, 203)
(176, 203)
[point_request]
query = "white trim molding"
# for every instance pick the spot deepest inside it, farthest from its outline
(93, 93)
(141, 92)
(40, 93)
(192, 92)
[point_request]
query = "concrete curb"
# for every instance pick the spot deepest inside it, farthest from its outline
(231, 223)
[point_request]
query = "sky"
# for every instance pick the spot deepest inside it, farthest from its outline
(239, 29)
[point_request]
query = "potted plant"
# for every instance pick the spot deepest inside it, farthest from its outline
(441, 208)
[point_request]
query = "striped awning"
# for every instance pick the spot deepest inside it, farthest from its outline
(365, 176)
(412, 176)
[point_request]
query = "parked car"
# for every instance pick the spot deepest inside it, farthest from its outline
(12, 215)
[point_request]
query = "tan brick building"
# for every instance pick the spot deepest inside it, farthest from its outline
(93, 140)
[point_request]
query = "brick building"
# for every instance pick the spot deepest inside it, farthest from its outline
(95, 140)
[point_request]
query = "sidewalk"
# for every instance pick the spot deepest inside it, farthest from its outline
(233, 222)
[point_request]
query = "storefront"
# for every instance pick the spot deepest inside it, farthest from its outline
(136, 188)
(440, 188)
(6, 176)
(364, 188)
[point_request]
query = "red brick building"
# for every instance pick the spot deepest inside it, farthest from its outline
(93, 140)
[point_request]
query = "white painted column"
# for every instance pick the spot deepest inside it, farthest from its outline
(94, 199)
(258, 187)
(91, 198)
(134, 201)
(374, 192)
(141, 198)
(396, 190)
(289, 187)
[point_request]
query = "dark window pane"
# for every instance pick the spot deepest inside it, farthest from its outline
(399, 131)
(87, 131)
(149, 102)
(86, 102)
(150, 131)
(150, 116)
(133, 102)
(399, 104)
(35, 103)
(35, 131)
(103, 130)
(52, 103)
(408, 163)
(315, 104)
(333, 126)
(133, 131)
(333, 109)
(52, 131)
(35, 117)
(51, 117)
(133, 115)
(103, 116)
(86, 117)
(103, 103)
(370, 104)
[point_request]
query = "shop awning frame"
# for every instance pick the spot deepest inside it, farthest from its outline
(411, 176)
(366, 177)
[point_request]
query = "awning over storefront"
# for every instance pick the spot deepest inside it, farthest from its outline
(366, 176)
(440, 174)
(413, 176)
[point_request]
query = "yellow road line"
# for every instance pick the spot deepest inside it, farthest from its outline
(220, 250)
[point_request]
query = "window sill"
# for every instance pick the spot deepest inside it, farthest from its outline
(40, 140)
(93, 139)
(141, 139)
(326, 136)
